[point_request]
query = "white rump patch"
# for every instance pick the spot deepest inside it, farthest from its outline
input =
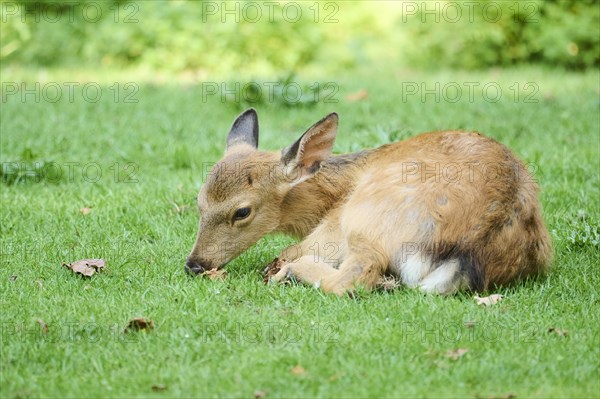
(445, 279)
(412, 268)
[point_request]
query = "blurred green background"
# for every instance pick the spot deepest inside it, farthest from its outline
(205, 39)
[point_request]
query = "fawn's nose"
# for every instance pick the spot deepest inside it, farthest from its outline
(195, 266)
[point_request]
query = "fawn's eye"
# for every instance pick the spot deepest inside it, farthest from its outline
(241, 213)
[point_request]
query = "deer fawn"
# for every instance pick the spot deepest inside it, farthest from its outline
(441, 211)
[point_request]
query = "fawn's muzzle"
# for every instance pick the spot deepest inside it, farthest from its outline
(194, 266)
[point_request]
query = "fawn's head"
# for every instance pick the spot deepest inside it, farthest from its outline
(241, 199)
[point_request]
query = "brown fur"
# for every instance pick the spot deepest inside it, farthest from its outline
(442, 210)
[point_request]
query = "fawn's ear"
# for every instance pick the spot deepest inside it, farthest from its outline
(244, 130)
(303, 158)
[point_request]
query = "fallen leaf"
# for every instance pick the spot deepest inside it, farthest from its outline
(455, 354)
(388, 283)
(558, 331)
(139, 324)
(259, 394)
(272, 269)
(86, 267)
(43, 325)
(298, 370)
(489, 300)
(13, 277)
(358, 96)
(85, 210)
(159, 387)
(215, 274)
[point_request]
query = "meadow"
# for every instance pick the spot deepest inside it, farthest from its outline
(115, 176)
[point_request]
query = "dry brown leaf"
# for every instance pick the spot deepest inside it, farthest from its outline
(215, 274)
(86, 267)
(388, 283)
(139, 324)
(13, 277)
(558, 331)
(358, 96)
(159, 387)
(272, 269)
(455, 354)
(489, 300)
(43, 325)
(259, 394)
(85, 210)
(298, 370)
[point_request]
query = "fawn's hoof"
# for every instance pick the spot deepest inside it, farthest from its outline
(272, 269)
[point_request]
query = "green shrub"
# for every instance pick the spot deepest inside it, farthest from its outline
(181, 36)
(556, 33)
(173, 36)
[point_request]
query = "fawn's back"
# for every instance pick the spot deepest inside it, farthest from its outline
(449, 198)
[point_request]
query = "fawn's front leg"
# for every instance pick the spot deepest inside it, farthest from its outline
(306, 269)
(325, 243)
(317, 255)
(365, 264)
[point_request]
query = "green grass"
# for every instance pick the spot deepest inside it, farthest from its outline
(238, 336)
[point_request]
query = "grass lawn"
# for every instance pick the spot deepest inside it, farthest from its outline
(138, 167)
